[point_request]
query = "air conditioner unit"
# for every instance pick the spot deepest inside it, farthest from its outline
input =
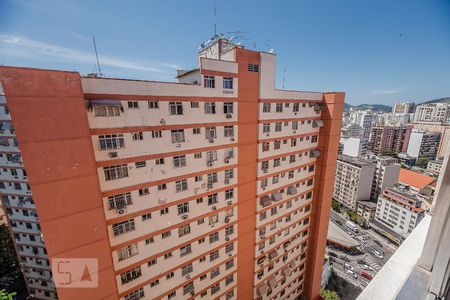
(184, 217)
(113, 154)
(229, 203)
(227, 220)
(188, 277)
(227, 161)
(210, 185)
(262, 236)
(213, 208)
(230, 254)
(267, 134)
(227, 239)
(211, 141)
(227, 181)
(262, 251)
(229, 116)
(232, 139)
(209, 163)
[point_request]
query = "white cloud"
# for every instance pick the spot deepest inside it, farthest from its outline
(29, 48)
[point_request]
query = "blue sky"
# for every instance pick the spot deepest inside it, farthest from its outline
(376, 51)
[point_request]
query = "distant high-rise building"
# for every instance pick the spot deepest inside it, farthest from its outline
(353, 180)
(423, 144)
(444, 130)
(432, 112)
(354, 147)
(386, 174)
(366, 121)
(216, 187)
(353, 130)
(393, 138)
(403, 108)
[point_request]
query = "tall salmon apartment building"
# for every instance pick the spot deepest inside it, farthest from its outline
(217, 186)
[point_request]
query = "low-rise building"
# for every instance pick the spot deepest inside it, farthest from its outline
(420, 184)
(434, 166)
(366, 209)
(353, 181)
(406, 159)
(399, 210)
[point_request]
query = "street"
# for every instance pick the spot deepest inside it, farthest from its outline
(344, 260)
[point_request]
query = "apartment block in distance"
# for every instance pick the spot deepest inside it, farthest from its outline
(423, 144)
(353, 180)
(399, 211)
(393, 138)
(218, 186)
(19, 211)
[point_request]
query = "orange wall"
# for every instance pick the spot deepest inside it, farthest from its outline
(49, 115)
(247, 165)
(323, 189)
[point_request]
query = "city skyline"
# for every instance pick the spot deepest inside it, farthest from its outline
(377, 53)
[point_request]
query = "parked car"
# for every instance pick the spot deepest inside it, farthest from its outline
(338, 222)
(378, 243)
(366, 275)
(361, 262)
(344, 258)
(332, 254)
(377, 254)
(367, 267)
(332, 259)
(351, 273)
(349, 267)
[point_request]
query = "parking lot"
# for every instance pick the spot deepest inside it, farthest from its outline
(368, 259)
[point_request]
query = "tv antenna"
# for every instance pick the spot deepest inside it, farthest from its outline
(96, 58)
(215, 19)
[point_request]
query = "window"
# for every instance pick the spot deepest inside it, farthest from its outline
(213, 237)
(107, 111)
(276, 162)
(215, 273)
(185, 250)
(156, 134)
(228, 108)
(210, 133)
(154, 283)
(265, 147)
(277, 145)
(229, 194)
(177, 136)
(294, 125)
(229, 174)
(153, 104)
(179, 161)
(228, 82)
(159, 161)
(162, 186)
(213, 219)
(181, 185)
(278, 127)
(229, 264)
(140, 164)
(229, 230)
(263, 183)
(196, 131)
(279, 107)
(214, 255)
(183, 208)
(123, 227)
(229, 279)
(135, 295)
(130, 275)
(137, 136)
(229, 131)
(188, 288)
(115, 172)
(133, 104)
(172, 295)
(170, 275)
(119, 201)
(275, 179)
(293, 142)
(175, 108)
(314, 139)
(266, 107)
(266, 127)
(212, 178)
(197, 155)
(210, 107)
(144, 191)
(212, 199)
(147, 217)
(184, 230)
(215, 288)
(253, 68)
(211, 156)
(198, 178)
(128, 251)
(194, 105)
(209, 81)
(152, 263)
(165, 235)
(296, 107)
(111, 141)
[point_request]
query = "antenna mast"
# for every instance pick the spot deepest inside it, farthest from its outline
(284, 78)
(215, 21)
(96, 57)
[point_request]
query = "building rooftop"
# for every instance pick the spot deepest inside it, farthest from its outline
(354, 161)
(415, 179)
(368, 203)
(338, 236)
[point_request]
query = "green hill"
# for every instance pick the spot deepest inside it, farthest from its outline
(377, 107)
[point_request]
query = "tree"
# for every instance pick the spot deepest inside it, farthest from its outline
(7, 296)
(352, 215)
(336, 206)
(329, 295)
(422, 162)
(388, 152)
